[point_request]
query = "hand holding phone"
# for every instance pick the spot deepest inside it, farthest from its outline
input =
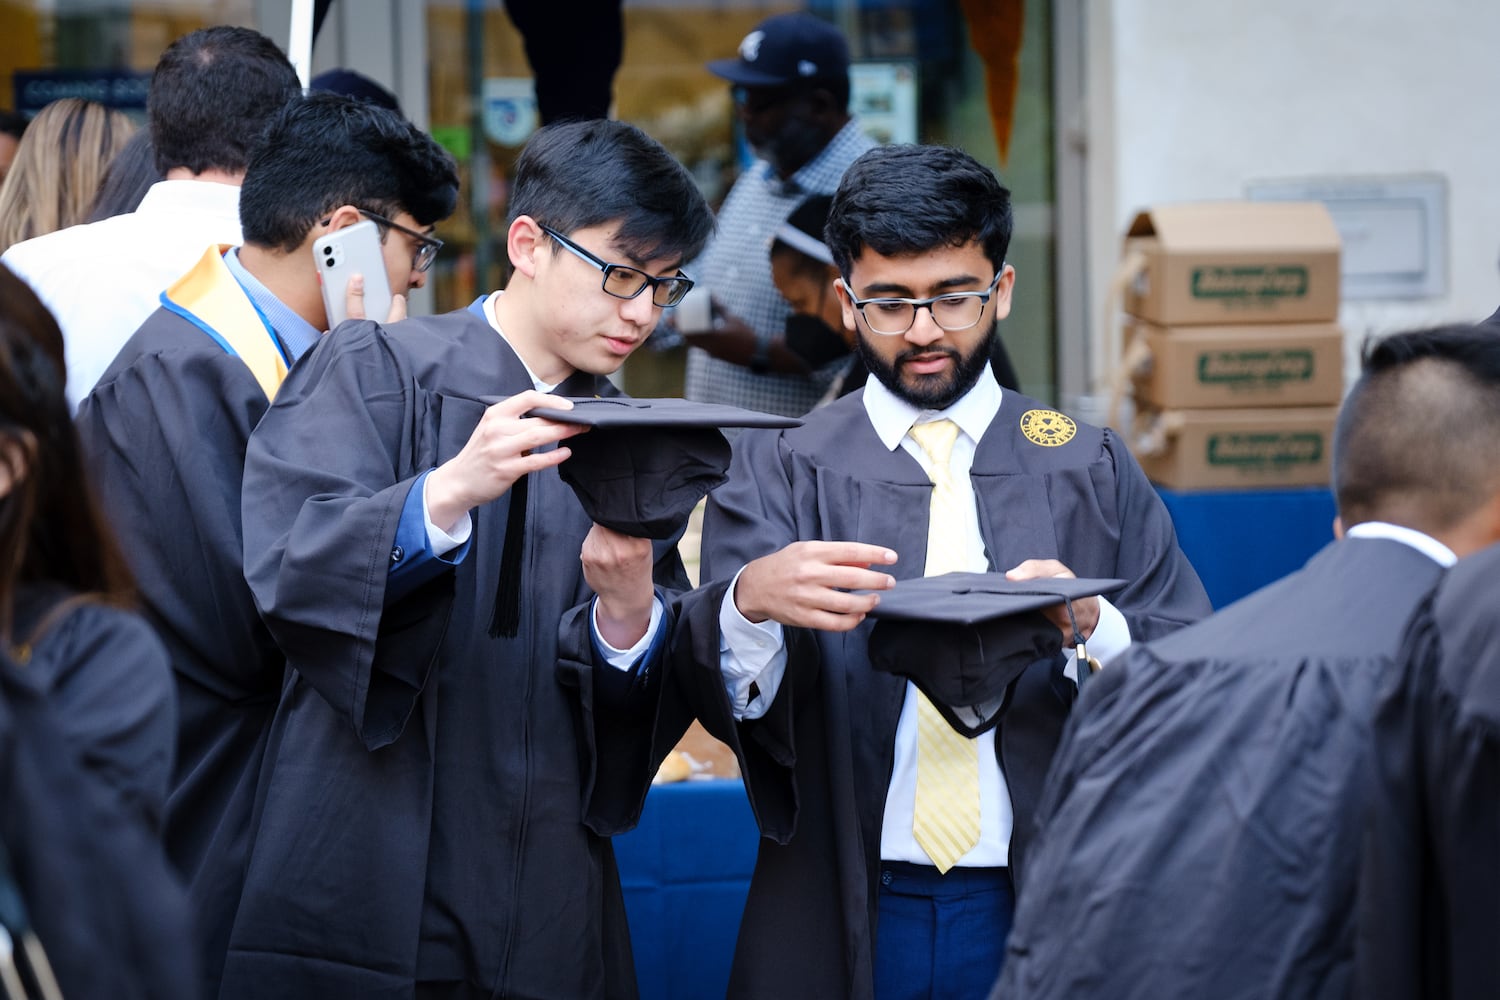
(340, 255)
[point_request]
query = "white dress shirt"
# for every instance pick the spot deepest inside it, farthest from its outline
(101, 280)
(756, 652)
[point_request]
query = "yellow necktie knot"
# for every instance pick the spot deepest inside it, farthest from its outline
(936, 439)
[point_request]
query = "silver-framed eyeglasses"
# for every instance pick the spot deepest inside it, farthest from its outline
(626, 282)
(427, 246)
(953, 311)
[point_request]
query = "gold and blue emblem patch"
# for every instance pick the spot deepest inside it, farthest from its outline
(1048, 428)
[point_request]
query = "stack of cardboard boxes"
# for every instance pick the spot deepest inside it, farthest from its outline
(1233, 355)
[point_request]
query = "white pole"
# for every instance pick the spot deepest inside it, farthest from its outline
(300, 40)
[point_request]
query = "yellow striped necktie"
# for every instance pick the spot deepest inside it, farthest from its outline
(945, 819)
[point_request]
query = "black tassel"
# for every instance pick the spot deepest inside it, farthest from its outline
(506, 618)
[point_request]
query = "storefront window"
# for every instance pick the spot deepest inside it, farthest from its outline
(96, 49)
(959, 72)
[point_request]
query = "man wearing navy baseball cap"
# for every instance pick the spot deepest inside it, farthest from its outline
(790, 84)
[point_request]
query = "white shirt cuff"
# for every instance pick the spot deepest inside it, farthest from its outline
(750, 653)
(440, 541)
(624, 659)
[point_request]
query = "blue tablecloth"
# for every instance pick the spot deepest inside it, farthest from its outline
(1240, 541)
(686, 870)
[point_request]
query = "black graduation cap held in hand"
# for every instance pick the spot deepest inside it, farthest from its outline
(646, 463)
(962, 638)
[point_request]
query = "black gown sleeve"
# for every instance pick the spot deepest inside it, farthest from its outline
(327, 473)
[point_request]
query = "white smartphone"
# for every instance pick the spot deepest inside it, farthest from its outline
(346, 252)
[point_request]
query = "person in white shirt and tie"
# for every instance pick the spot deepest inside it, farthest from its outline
(931, 468)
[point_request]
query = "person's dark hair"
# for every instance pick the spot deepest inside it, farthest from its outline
(12, 123)
(810, 217)
(51, 527)
(573, 175)
(326, 150)
(1417, 441)
(907, 199)
(127, 178)
(211, 95)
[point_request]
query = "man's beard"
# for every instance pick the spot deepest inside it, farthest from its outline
(929, 392)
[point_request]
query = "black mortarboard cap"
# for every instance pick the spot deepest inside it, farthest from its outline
(962, 638)
(646, 463)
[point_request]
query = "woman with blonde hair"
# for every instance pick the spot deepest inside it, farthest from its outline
(58, 168)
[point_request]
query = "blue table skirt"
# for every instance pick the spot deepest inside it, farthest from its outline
(686, 871)
(1239, 541)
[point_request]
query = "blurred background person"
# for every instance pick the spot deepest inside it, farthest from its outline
(127, 178)
(790, 84)
(58, 167)
(65, 591)
(12, 127)
(211, 95)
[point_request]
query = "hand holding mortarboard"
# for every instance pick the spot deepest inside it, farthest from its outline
(962, 638)
(646, 463)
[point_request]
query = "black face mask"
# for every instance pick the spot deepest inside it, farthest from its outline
(814, 341)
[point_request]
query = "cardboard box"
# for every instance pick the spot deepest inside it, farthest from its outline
(1236, 449)
(1232, 262)
(1272, 364)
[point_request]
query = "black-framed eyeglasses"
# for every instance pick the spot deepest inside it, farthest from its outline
(626, 282)
(427, 246)
(953, 312)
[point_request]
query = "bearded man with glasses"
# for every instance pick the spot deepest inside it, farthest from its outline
(817, 520)
(468, 653)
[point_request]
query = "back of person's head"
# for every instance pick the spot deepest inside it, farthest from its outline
(1417, 441)
(907, 199)
(50, 524)
(356, 85)
(58, 168)
(127, 178)
(211, 95)
(326, 150)
(578, 174)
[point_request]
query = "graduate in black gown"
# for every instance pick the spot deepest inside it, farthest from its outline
(1429, 895)
(831, 749)
(1200, 834)
(166, 428)
(472, 660)
(86, 707)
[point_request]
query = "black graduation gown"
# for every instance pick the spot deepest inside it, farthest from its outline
(165, 431)
(420, 811)
(109, 682)
(1429, 907)
(1200, 831)
(808, 927)
(95, 883)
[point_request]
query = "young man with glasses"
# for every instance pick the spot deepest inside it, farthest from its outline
(472, 679)
(816, 520)
(167, 425)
